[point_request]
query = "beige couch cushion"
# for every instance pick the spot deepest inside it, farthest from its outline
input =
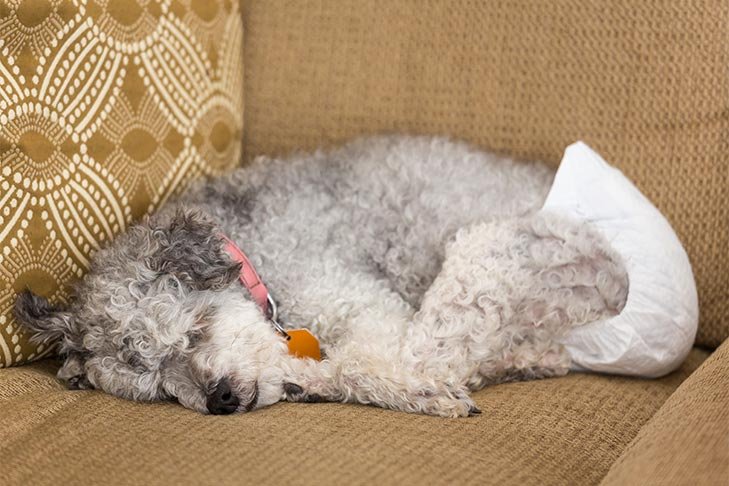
(645, 83)
(687, 441)
(106, 108)
(559, 431)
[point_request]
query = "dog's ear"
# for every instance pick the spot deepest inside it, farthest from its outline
(46, 322)
(52, 324)
(192, 249)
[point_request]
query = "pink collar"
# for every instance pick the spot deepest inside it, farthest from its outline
(248, 276)
(251, 281)
(301, 342)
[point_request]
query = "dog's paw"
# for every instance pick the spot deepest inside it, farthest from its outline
(448, 403)
(295, 393)
(292, 389)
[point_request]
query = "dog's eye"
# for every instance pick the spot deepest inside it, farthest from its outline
(173, 283)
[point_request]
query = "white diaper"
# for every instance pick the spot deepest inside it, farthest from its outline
(655, 331)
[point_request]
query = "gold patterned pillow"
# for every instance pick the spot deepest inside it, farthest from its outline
(107, 107)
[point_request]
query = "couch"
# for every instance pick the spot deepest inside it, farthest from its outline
(645, 83)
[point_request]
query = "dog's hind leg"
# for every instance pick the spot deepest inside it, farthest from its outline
(509, 290)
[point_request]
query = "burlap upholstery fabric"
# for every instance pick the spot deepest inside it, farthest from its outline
(645, 83)
(106, 108)
(559, 431)
(687, 441)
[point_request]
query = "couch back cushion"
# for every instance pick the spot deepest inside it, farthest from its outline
(644, 83)
(106, 109)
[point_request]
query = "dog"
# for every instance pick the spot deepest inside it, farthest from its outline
(424, 266)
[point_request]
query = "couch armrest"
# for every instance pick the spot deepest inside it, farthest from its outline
(687, 440)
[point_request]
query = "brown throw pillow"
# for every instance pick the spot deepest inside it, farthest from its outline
(106, 109)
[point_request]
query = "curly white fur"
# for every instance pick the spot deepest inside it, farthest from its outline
(424, 266)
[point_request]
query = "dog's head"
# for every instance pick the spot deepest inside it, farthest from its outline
(161, 315)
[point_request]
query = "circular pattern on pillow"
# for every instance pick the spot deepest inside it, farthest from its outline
(107, 108)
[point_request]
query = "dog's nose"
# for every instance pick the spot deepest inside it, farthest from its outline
(222, 401)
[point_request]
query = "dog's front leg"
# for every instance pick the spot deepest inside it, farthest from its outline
(364, 326)
(353, 375)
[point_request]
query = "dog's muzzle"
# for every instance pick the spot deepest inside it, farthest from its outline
(222, 401)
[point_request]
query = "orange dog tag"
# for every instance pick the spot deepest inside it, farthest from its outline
(303, 344)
